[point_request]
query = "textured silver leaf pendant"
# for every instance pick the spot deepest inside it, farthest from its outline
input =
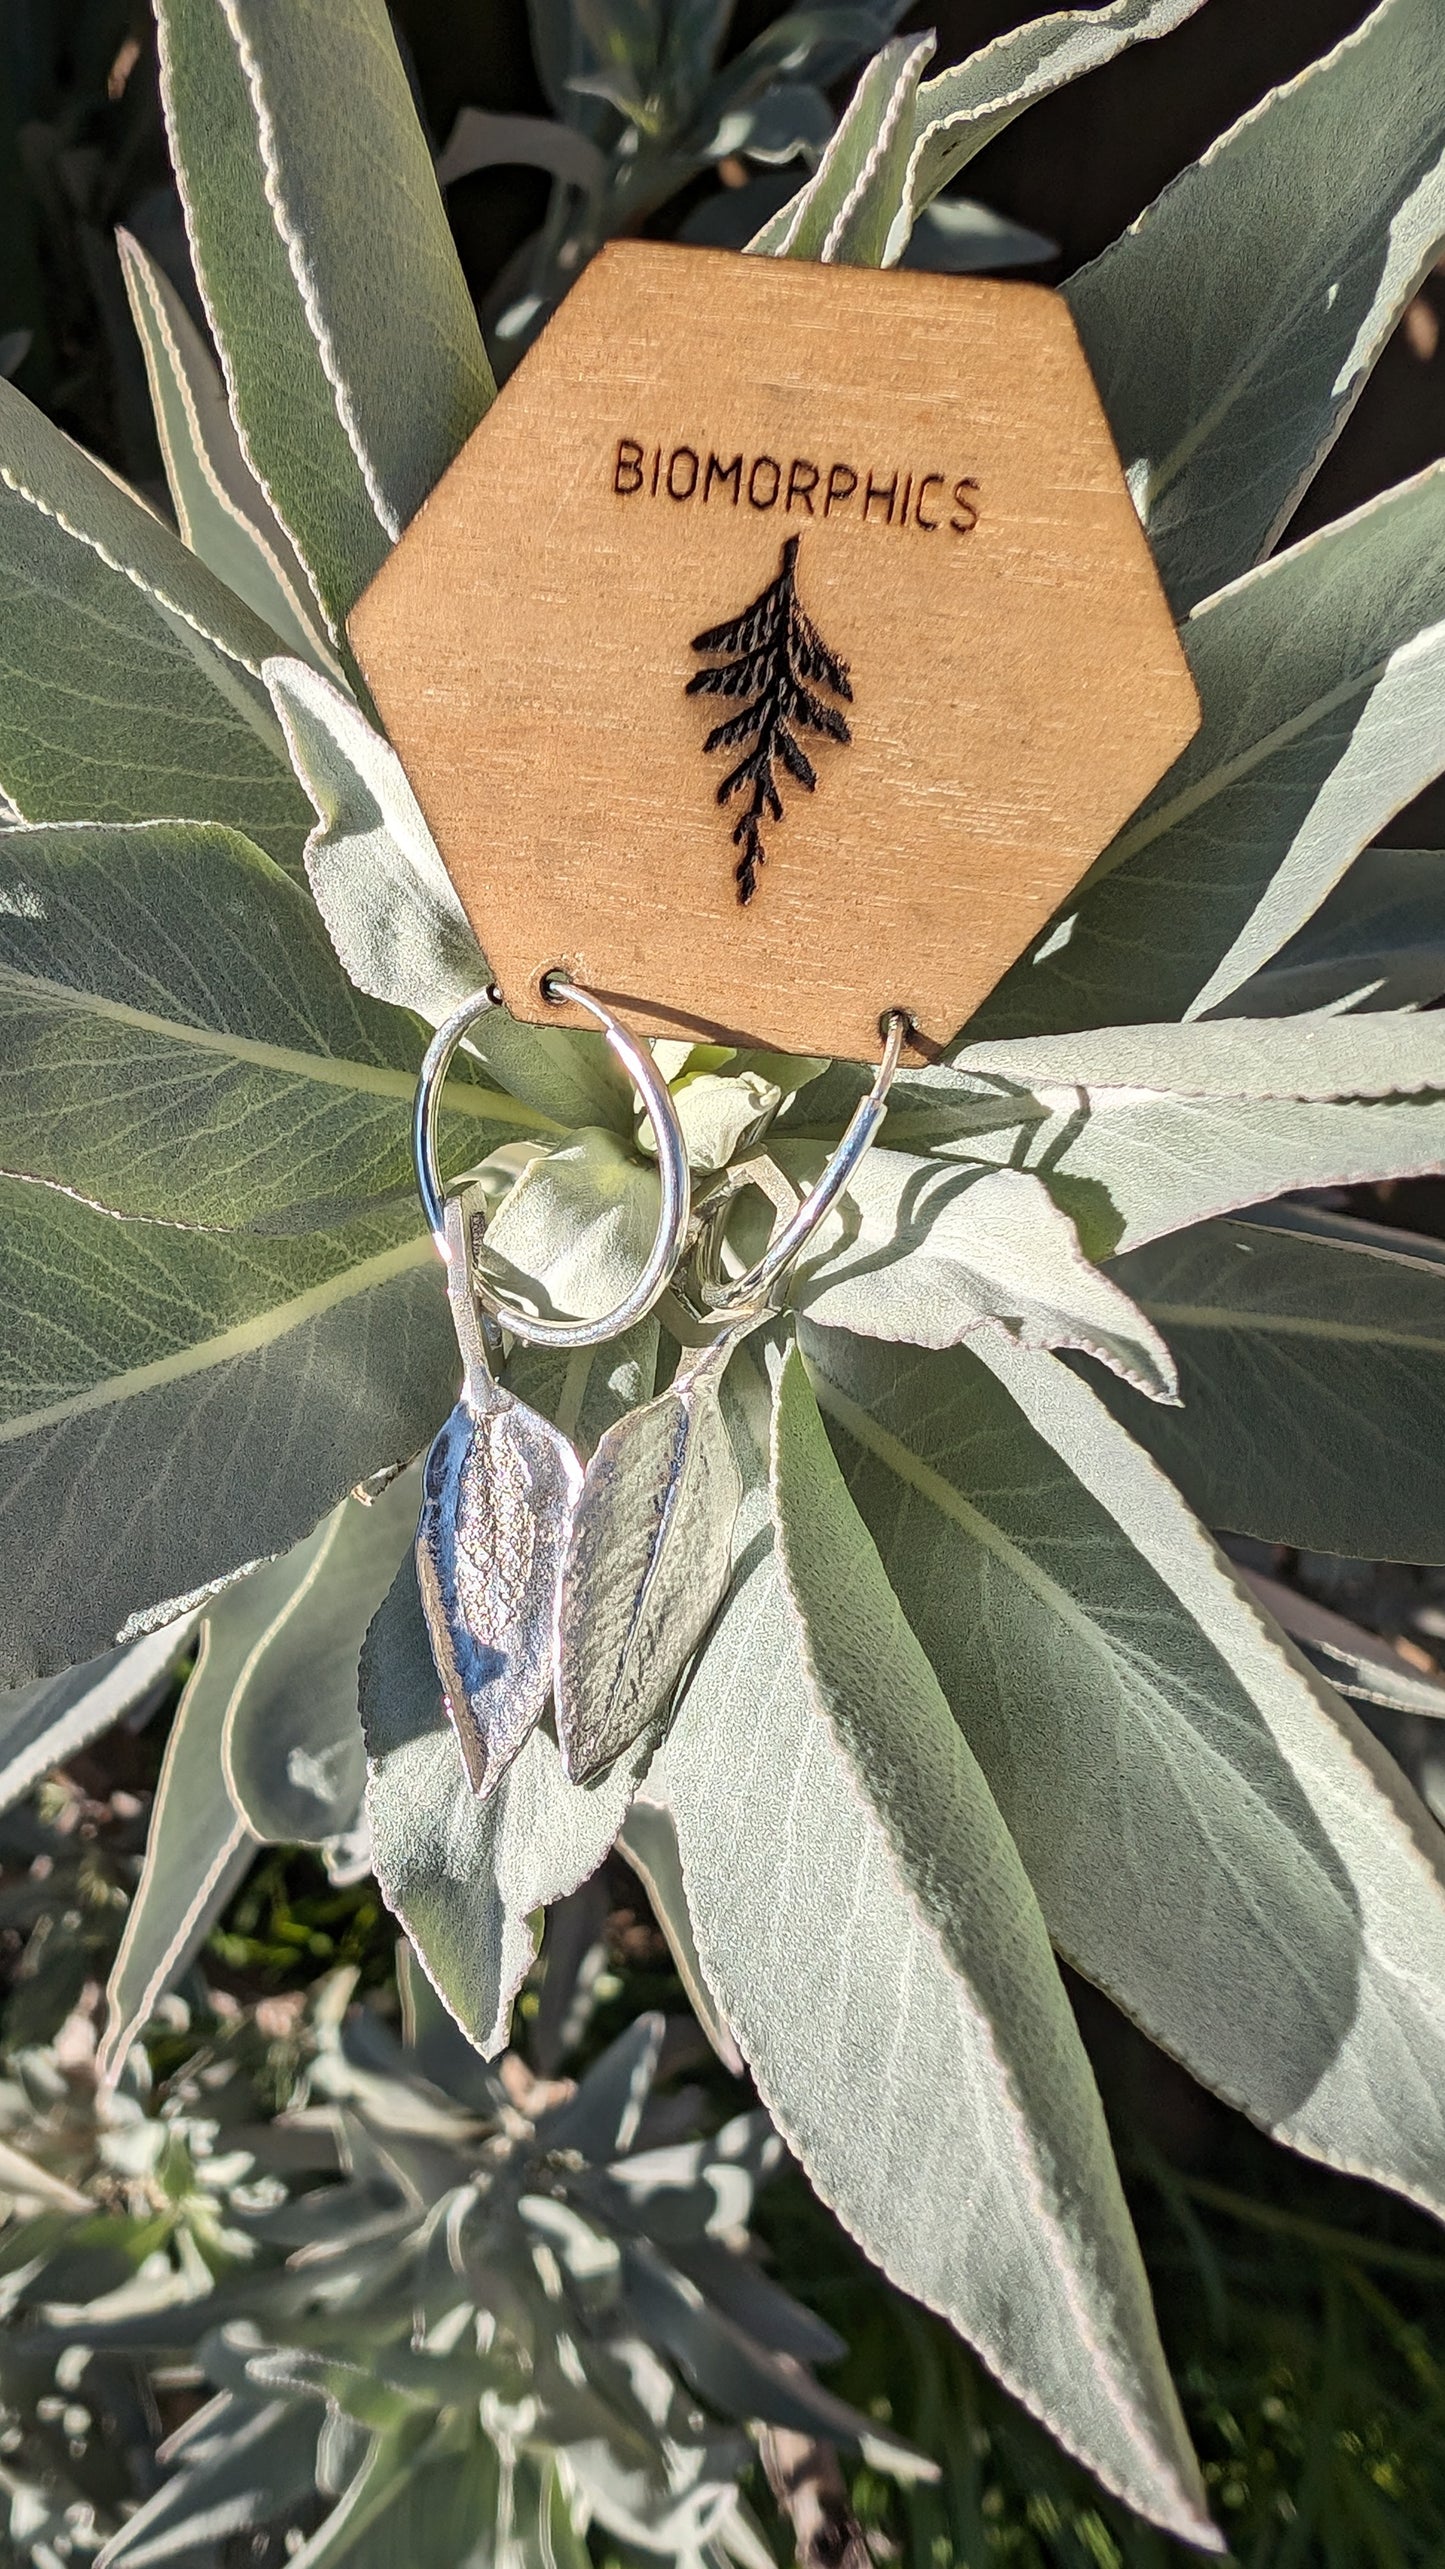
(647, 1564)
(498, 1490)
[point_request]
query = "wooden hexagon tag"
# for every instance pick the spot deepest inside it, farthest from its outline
(781, 648)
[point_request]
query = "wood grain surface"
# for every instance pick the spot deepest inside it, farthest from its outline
(967, 556)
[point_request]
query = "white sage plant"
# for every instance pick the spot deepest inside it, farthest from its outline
(983, 1689)
(429, 2312)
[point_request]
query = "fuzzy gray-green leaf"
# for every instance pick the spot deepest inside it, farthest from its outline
(1312, 1365)
(1139, 1130)
(1322, 679)
(1358, 1663)
(220, 507)
(866, 1923)
(1272, 1907)
(44, 1724)
(260, 2459)
(352, 355)
(201, 1400)
(962, 109)
(1233, 327)
(890, 176)
(1314, 1060)
(291, 1741)
(574, 1233)
(926, 1251)
(648, 1839)
(1377, 941)
(847, 209)
(178, 1042)
(466, 1879)
(394, 918)
(129, 676)
(197, 1846)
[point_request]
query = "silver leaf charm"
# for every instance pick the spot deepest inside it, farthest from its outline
(498, 1490)
(648, 1562)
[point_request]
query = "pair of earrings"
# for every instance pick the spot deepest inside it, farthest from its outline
(590, 1584)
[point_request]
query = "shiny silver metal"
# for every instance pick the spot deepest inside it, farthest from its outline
(499, 1487)
(647, 1564)
(674, 1176)
(436, 1062)
(757, 1291)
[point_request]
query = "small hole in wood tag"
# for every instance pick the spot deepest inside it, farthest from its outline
(781, 649)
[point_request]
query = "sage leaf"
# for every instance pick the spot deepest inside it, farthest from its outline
(1312, 1059)
(601, 2120)
(379, 884)
(1406, 1712)
(720, 1116)
(1138, 1131)
(1377, 941)
(915, 2047)
(956, 236)
(1136, 1169)
(771, 2316)
(695, 2195)
(197, 1846)
(131, 676)
(648, 1558)
(1322, 681)
(220, 508)
(848, 207)
(740, 2378)
(1272, 1908)
(178, 1042)
(926, 1251)
(649, 1841)
(962, 109)
(467, 1879)
(1232, 329)
(291, 1738)
(409, 2490)
(259, 2458)
(47, 476)
(576, 1229)
(536, 2527)
(683, 2512)
(821, 44)
(31, 2187)
(352, 356)
(1311, 1355)
(1357, 1663)
(201, 1400)
(481, 140)
(44, 1724)
(951, 118)
(394, 918)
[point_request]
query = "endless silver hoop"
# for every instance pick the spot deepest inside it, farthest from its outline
(751, 1291)
(672, 1168)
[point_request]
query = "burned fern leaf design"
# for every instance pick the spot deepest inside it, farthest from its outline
(776, 657)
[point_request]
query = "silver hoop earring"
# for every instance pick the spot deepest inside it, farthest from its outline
(674, 1175)
(489, 1595)
(758, 1293)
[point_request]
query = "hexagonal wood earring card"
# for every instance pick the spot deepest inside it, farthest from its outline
(781, 648)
